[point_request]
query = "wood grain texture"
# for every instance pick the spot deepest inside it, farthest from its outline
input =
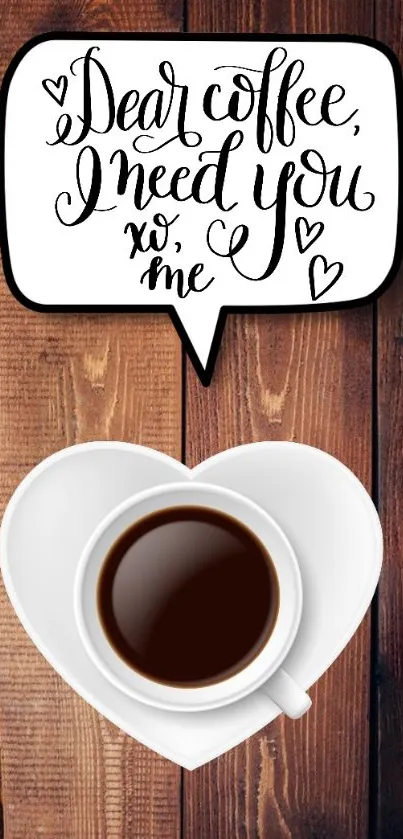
(66, 772)
(389, 822)
(280, 16)
(292, 378)
(306, 378)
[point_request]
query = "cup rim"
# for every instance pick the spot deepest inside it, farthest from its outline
(206, 703)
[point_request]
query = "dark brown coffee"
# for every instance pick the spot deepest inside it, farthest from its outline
(188, 596)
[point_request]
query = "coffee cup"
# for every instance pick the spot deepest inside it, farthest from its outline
(258, 670)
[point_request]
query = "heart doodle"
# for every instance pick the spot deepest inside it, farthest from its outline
(318, 268)
(57, 90)
(304, 237)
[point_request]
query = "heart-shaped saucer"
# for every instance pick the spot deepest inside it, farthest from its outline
(322, 507)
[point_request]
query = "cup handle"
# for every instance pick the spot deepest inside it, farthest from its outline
(287, 694)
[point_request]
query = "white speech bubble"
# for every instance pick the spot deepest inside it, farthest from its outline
(200, 175)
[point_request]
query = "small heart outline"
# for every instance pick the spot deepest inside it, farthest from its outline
(62, 80)
(309, 229)
(326, 268)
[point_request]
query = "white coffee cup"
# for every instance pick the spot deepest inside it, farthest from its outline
(264, 672)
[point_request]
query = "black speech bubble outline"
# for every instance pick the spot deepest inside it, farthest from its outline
(204, 374)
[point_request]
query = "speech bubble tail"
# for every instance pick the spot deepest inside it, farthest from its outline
(201, 335)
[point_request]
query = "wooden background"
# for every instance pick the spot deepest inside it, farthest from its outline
(330, 379)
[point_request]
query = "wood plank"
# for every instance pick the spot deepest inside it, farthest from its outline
(389, 794)
(67, 773)
(291, 378)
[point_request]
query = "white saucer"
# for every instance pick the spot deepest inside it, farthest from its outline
(322, 507)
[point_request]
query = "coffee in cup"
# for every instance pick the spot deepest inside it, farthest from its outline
(188, 596)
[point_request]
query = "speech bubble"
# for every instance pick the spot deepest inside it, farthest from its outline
(200, 175)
